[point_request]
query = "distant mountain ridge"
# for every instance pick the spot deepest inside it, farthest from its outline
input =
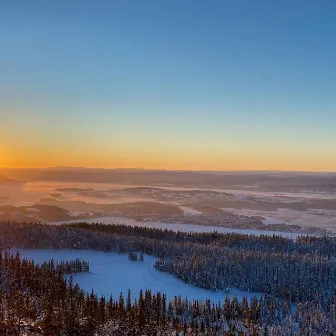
(7, 180)
(244, 180)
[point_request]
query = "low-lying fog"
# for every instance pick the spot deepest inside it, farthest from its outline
(303, 209)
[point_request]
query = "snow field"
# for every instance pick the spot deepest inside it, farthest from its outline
(112, 273)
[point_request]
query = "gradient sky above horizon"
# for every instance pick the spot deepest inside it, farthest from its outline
(179, 84)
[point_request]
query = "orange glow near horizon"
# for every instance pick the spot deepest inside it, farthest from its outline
(170, 149)
(169, 164)
(92, 155)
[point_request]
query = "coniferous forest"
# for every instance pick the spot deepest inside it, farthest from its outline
(296, 278)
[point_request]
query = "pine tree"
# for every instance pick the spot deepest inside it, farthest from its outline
(129, 301)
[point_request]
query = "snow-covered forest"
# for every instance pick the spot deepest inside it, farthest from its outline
(296, 277)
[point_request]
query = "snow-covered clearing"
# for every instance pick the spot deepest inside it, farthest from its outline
(112, 273)
(180, 227)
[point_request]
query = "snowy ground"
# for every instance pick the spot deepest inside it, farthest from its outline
(180, 227)
(112, 273)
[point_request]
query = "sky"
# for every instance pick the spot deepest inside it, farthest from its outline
(178, 84)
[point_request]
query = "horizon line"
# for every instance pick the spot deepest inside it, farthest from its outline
(171, 170)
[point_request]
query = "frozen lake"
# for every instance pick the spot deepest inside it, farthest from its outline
(112, 273)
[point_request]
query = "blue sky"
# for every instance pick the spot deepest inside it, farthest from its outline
(191, 79)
